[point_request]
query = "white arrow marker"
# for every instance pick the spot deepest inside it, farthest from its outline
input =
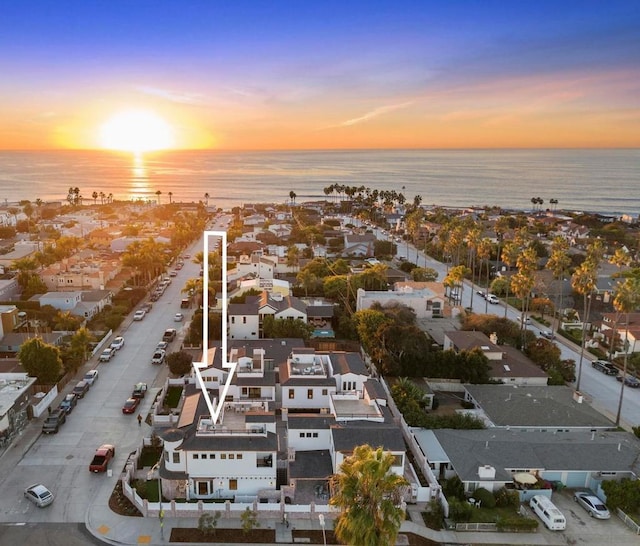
(197, 366)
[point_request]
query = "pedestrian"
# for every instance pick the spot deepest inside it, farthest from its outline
(139, 420)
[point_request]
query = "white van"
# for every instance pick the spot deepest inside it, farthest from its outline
(548, 513)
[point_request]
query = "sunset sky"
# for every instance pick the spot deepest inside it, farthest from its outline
(330, 74)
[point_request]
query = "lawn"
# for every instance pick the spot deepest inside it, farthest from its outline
(172, 398)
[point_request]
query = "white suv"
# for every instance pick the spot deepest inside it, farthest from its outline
(107, 354)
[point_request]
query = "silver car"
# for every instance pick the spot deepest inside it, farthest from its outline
(39, 495)
(593, 505)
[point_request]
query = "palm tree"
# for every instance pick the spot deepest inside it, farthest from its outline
(158, 193)
(484, 255)
(292, 196)
(626, 300)
(583, 281)
(102, 196)
(170, 196)
(369, 495)
(95, 197)
(509, 256)
(206, 199)
(558, 264)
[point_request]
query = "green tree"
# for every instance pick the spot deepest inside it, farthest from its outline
(424, 274)
(285, 328)
(208, 523)
(179, 362)
(626, 300)
(623, 494)
(369, 496)
(249, 519)
(583, 281)
(79, 346)
(41, 360)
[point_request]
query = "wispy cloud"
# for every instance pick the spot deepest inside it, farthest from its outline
(173, 96)
(374, 114)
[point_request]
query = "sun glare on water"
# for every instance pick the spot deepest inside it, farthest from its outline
(136, 131)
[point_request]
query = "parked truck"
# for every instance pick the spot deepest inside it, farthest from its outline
(101, 459)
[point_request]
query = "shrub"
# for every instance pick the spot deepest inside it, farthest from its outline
(460, 511)
(434, 516)
(453, 488)
(516, 523)
(207, 523)
(486, 498)
(507, 497)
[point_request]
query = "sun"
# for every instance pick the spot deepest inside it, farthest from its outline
(136, 131)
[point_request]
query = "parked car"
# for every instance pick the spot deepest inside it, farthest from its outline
(178, 317)
(54, 421)
(169, 334)
(162, 345)
(139, 390)
(491, 298)
(130, 405)
(548, 334)
(593, 505)
(605, 367)
(81, 388)
(139, 314)
(173, 273)
(158, 357)
(117, 343)
(39, 495)
(481, 293)
(107, 354)
(630, 381)
(69, 402)
(91, 376)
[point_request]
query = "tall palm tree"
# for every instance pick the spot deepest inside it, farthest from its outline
(484, 255)
(626, 300)
(369, 495)
(509, 256)
(158, 194)
(206, 199)
(292, 196)
(583, 281)
(558, 264)
(170, 194)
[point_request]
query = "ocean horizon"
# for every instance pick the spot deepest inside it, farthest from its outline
(606, 181)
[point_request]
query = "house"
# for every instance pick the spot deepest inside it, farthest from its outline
(628, 334)
(551, 409)
(86, 303)
(15, 389)
(72, 274)
(508, 365)
(234, 459)
(259, 266)
(424, 300)
(356, 245)
(246, 319)
(10, 318)
(489, 458)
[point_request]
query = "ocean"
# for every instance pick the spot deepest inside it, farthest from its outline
(605, 181)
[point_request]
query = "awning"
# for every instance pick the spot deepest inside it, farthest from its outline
(525, 477)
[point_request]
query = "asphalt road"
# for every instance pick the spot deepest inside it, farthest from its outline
(61, 461)
(46, 534)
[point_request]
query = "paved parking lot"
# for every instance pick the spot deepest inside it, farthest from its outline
(584, 530)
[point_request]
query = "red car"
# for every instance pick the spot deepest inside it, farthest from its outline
(130, 405)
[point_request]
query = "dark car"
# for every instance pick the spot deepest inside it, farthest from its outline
(130, 405)
(630, 381)
(54, 421)
(68, 403)
(81, 388)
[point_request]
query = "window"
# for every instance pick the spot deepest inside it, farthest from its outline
(212, 456)
(223, 455)
(232, 456)
(315, 434)
(204, 456)
(203, 488)
(176, 458)
(302, 435)
(233, 485)
(244, 320)
(325, 392)
(310, 394)
(233, 320)
(196, 456)
(292, 394)
(308, 435)
(239, 456)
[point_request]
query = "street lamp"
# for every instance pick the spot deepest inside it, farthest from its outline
(322, 523)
